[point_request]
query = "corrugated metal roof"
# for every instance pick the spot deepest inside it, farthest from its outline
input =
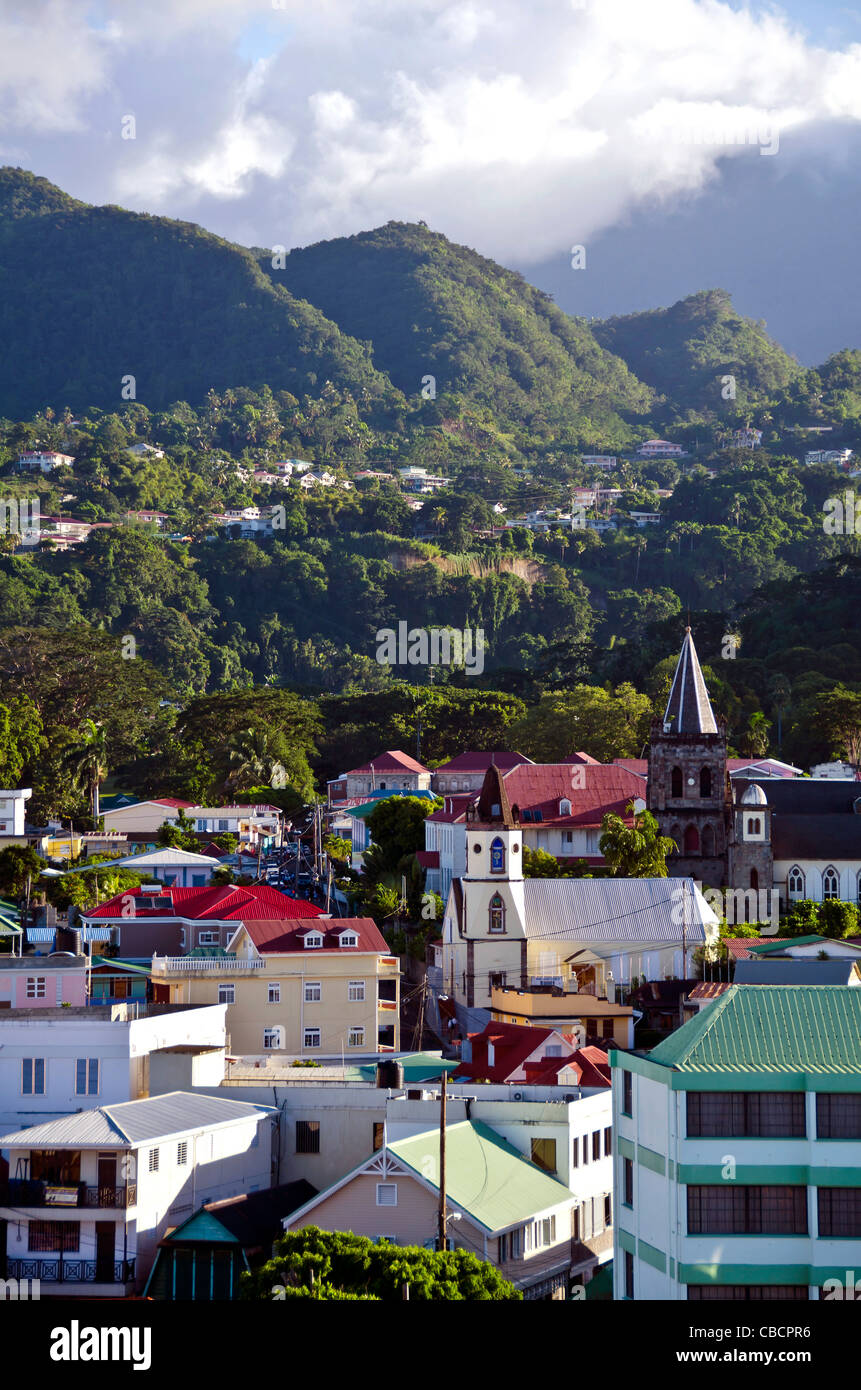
(133, 1122)
(485, 1176)
(649, 910)
(794, 972)
(771, 1028)
(689, 709)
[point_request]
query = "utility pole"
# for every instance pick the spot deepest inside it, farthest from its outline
(442, 1213)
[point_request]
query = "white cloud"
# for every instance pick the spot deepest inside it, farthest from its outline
(517, 128)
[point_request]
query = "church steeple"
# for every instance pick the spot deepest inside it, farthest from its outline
(689, 709)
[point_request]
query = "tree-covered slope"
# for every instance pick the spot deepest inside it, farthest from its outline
(91, 295)
(685, 350)
(431, 308)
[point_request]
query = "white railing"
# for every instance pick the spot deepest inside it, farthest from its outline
(205, 965)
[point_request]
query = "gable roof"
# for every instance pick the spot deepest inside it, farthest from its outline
(768, 1029)
(251, 1220)
(795, 972)
(227, 902)
(485, 1176)
(689, 709)
(479, 762)
(134, 1122)
(613, 909)
(593, 790)
(393, 760)
(168, 854)
(282, 937)
(775, 947)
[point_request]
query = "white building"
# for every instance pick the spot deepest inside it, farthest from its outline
(738, 1147)
(420, 480)
(13, 811)
(179, 867)
(113, 1180)
(608, 461)
(55, 1061)
(143, 449)
(835, 456)
(45, 460)
(660, 448)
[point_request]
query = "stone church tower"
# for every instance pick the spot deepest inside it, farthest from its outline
(689, 790)
(751, 857)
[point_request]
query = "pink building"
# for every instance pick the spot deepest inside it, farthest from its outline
(40, 982)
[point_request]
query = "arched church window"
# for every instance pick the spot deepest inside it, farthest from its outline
(708, 840)
(676, 782)
(754, 825)
(692, 840)
(795, 884)
(830, 884)
(676, 837)
(497, 915)
(705, 781)
(497, 856)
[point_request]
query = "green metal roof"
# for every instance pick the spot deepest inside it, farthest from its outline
(117, 964)
(761, 947)
(770, 1028)
(485, 1176)
(203, 1226)
(418, 1066)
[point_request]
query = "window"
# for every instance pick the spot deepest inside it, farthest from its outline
(356, 991)
(747, 1293)
(705, 782)
(313, 941)
(496, 914)
(575, 1154)
(596, 1144)
(627, 1093)
(691, 840)
(356, 1037)
(54, 1235)
(629, 1274)
(586, 1149)
(569, 837)
(387, 1194)
(728, 1209)
(272, 1039)
(608, 1209)
(544, 1154)
(751, 1114)
(152, 1161)
(182, 1153)
(598, 1222)
(608, 1142)
(310, 1037)
(839, 1211)
(830, 885)
(227, 994)
(87, 1076)
(509, 1246)
(307, 1136)
(379, 1134)
(222, 825)
(348, 938)
(628, 1181)
(838, 1116)
(37, 987)
(497, 856)
(676, 782)
(540, 1233)
(564, 807)
(32, 1076)
(208, 938)
(313, 991)
(273, 994)
(198, 880)
(795, 884)
(708, 841)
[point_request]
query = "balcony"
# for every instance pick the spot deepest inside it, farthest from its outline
(205, 965)
(71, 1269)
(29, 1192)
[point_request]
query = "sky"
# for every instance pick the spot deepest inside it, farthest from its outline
(682, 144)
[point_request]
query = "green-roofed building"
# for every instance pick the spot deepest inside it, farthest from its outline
(806, 947)
(507, 1209)
(738, 1139)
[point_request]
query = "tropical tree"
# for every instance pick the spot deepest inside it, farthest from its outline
(634, 851)
(87, 760)
(253, 757)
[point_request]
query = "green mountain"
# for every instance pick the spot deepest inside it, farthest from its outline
(684, 351)
(431, 308)
(91, 295)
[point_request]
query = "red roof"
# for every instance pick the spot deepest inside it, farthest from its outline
(737, 946)
(592, 790)
(480, 762)
(454, 808)
(640, 766)
(222, 903)
(709, 989)
(280, 938)
(391, 761)
(428, 858)
(513, 1043)
(591, 1065)
(585, 758)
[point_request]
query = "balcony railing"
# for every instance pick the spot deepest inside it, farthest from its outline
(204, 965)
(71, 1269)
(33, 1192)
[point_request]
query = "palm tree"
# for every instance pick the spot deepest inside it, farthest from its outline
(254, 761)
(87, 761)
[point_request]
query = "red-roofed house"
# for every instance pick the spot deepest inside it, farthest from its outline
(465, 773)
(169, 920)
(511, 1053)
(561, 806)
(321, 987)
(390, 771)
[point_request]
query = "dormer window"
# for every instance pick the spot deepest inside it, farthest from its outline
(349, 938)
(313, 941)
(497, 856)
(564, 807)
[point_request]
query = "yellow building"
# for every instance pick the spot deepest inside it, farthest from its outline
(318, 987)
(565, 1011)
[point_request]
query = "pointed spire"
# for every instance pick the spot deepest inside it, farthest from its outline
(493, 804)
(689, 709)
